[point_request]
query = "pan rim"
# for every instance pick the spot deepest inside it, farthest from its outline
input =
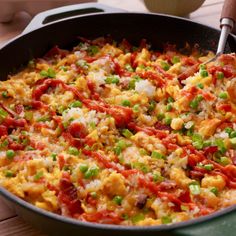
(181, 225)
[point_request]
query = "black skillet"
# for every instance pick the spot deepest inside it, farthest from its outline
(49, 29)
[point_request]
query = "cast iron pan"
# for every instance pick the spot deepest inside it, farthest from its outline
(43, 33)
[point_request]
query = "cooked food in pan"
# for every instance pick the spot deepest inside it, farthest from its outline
(116, 134)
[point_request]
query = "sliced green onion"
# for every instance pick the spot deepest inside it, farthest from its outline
(54, 156)
(112, 80)
(5, 94)
(38, 176)
(166, 220)
(194, 188)
(220, 75)
(9, 174)
(175, 59)
(208, 167)
(92, 50)
(152, 106)
(232, 134)
(129, 68)
(165, 66)
(157, 155)
(127, 133)
(76, 104)
(73, 151)
(91, 172)
(215, 190)
(137, 218)
(44, 118)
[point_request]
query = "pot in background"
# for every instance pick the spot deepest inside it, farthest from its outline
(11, 7)
(173, 7)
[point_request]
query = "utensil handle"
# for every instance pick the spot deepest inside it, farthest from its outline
(229, 12)
(70, 11)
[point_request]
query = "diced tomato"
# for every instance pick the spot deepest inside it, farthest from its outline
(19, 108)
(68, 196)
(210, 150)
(61, 161)
(56, 51)
(3, 130)
(225, 107)
(102, 217)
(77, 130)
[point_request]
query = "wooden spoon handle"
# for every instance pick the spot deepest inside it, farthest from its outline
(229, 11)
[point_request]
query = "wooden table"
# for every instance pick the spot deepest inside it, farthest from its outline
(209, 13)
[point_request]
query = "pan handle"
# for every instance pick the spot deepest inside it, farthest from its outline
(70, 11)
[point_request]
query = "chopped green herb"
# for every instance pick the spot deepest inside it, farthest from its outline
(4, 143)
(221, 146)
(228, 130)
(137, 218)
(9, 174)
(170, 99)
(152, 106)
(165, 66)
(184, 207)
(224, 161)
(117, 200)
(157, 177)
(38, 176)
(5, 94)
(129, 68)
(3, 114)
(215, 190)
(92, 50)
(160, 116)
(142, 152)
(54, 156)
(44, 118)
(175, 59)
(201, 86)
